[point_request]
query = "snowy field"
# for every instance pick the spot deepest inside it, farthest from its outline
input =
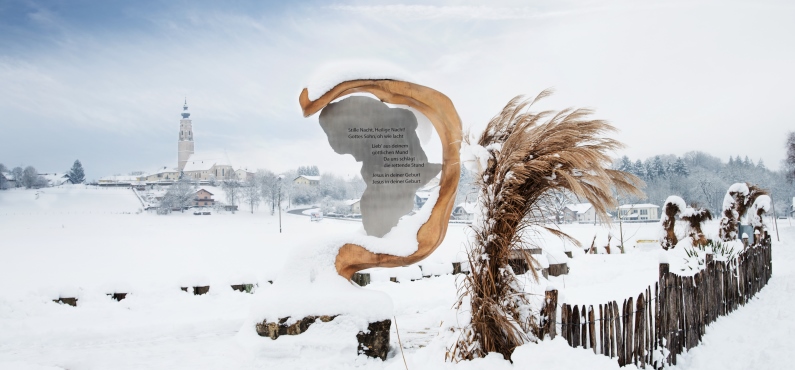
(80, 242)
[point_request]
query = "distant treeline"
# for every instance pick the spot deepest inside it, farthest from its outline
(703, 179)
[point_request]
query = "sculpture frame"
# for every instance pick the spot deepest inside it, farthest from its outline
(439, 109)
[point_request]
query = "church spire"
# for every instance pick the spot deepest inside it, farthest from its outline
(185, 113)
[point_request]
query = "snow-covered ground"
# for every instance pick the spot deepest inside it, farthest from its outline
(74, 241)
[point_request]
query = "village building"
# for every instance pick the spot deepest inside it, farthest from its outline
(56, 179)
(203, 198)
(162, 175)
(639, 212)
(243, 175)
(464, 211)
(580, 213)
(354, 206)
(307, 180)
(208, 169)
(120, 180)
(11, 182)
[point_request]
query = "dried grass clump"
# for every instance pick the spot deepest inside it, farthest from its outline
(529, 155)
(669, 221)
(734, 210)
(694, 221)
(693, 217)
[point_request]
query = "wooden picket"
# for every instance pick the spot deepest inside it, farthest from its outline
(658, 325)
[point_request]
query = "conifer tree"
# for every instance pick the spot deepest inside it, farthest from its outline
(76, 174)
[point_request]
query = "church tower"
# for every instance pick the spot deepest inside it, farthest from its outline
(185, 145)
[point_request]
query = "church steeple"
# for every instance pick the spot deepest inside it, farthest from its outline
(185, 113)
(185, 144)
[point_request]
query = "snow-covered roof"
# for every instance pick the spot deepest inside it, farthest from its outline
(199, 163)
(200, 189)
(466, 207)
(9, 176)
(54, 176)
(310, 178)
(350, 202)
(163, 169)
(119, 178)
(636, 206)
(579, 208)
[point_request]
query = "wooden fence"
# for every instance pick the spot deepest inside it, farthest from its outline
(652, 329)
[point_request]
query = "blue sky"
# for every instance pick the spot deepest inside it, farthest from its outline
(104, 81)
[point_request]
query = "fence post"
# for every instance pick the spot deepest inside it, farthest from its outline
(549, 313)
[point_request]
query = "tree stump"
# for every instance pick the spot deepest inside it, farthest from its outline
(66, 300)
(557, 269)
(375, 343)
(361, 279)
(247, 288)
(198, 290)
(117, 296)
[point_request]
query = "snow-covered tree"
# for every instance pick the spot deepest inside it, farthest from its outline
(790, 160)
(308, 171)
(30, 178)
(179, 196)
(658, 167)
(304, 194)
(76, 174)
(626, 165)
(232, 190)
(17, 174)
(270, 187)
(679, 168)
(250, 193)
(639, 170)
(332, 186)
(3, 180)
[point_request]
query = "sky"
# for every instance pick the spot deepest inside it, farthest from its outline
(104, 81)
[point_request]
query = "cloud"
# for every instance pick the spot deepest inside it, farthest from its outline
(464, 12)
(668, 76)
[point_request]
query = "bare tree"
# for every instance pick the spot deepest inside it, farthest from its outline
(270, 187)
(232, 190)
(554, 202)
(251, 193)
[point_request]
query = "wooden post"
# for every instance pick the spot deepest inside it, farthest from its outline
(591, 330)
(619, 335)
(601, 330)
(611, 329)
(564, 323)
(575, 323)
(550, 313)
